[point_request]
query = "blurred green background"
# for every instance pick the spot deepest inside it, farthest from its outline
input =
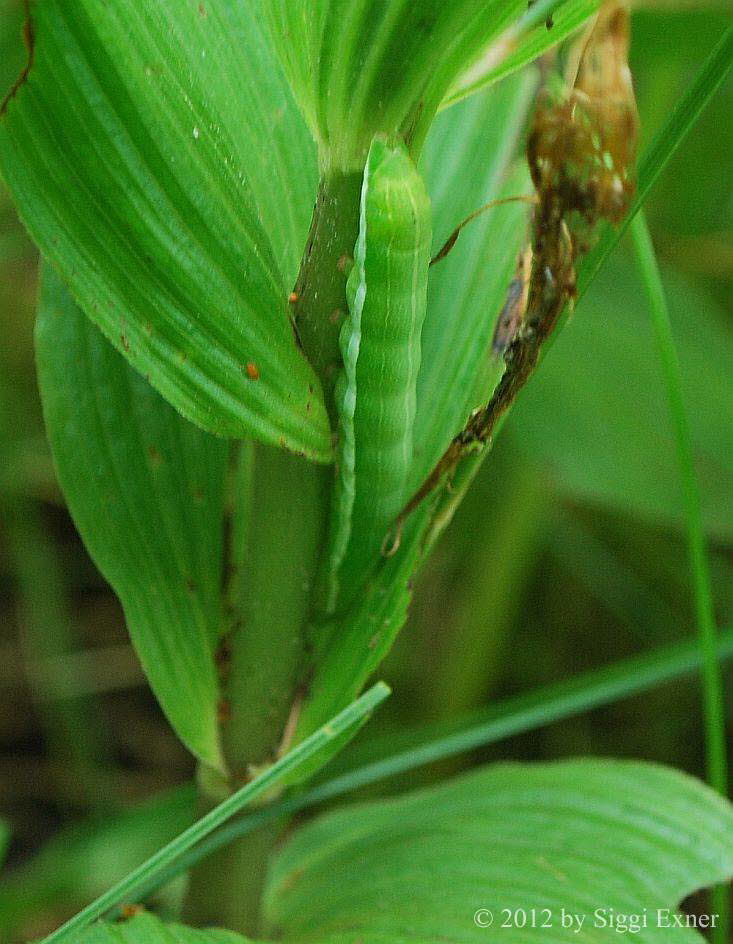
(567, 554)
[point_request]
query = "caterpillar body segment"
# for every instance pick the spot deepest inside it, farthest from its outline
(380, 345)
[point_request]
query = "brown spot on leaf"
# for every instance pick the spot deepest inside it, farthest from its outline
(292, 879)
(223, 657)
(224, 711)
(129, 910)
(252, 371)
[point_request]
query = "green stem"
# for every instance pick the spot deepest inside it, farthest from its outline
(226, 889)
(320, 290)
(277, 530)
(713, 705)
(280, 551)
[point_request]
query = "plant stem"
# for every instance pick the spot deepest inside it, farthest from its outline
(713, 705)
(287, 518)
(226, 889)
(320, 290)
(277, 530)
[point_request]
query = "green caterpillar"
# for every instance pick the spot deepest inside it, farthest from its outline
(380, 344)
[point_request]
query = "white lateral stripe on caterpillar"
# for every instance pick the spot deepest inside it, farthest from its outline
(380, 343)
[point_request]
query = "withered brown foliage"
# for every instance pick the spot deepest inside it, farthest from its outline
(581, 151)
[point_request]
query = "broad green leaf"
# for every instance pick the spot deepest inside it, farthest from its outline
(370, 66)
(383, 757)
(520, 44)
(145, 928)
(580, 835)
(158, 161)
(596, 412)
(146, 491)
(468, 161)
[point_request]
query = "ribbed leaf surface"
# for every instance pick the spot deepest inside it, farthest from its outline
(159, 162)
(518, 46)
(146, 490)
(579, 835)
(367, 66)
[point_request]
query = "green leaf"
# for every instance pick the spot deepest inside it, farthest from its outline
(523, 42)
(578, 835)
(159, 162)
(371, 66)
(145, 928)
(716, 755)
(388, 756)
(146, 491)
(350, 648)
(468, 162)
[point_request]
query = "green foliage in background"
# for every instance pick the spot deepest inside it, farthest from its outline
(238, 407)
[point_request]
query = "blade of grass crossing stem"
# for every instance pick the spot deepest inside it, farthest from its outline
(128, 888)
(487, 726)
(714, 709)
(688, 109)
